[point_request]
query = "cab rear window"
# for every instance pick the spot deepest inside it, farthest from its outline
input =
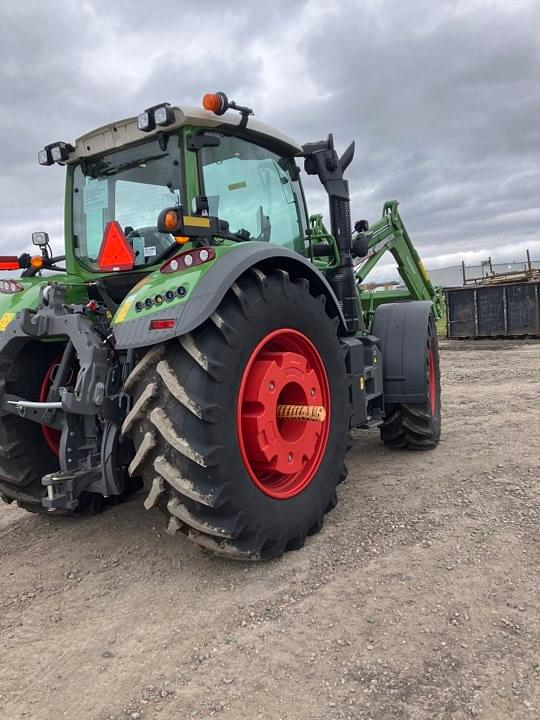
(130, 186)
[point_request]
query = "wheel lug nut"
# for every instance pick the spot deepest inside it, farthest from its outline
(271, 386)
(289, 457)
(312, 392)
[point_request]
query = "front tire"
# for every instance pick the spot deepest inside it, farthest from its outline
(208, 445)
(418, 426)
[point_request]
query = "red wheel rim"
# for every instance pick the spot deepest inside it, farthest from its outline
(51, 435)
(282, 456)
(432, 382)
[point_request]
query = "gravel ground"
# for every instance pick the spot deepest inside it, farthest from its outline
(418, 600)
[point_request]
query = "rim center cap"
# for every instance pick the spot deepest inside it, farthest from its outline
(276, 378)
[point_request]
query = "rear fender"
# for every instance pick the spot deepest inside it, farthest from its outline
(403, 331)
(210, 290)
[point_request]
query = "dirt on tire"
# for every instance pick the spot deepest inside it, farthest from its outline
(418, 599)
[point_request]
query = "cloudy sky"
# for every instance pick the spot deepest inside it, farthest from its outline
(442, 98)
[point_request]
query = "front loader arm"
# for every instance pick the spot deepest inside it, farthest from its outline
(390, 235)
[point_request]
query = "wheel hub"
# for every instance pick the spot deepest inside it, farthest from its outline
(282, 454)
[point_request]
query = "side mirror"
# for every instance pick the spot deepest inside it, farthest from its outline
(41, 239)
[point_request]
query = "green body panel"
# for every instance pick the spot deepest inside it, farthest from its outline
(28, 299)
(390, 235)
(319, 235)
(157, 283)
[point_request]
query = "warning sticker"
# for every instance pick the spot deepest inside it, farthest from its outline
(96, 200)
(5, 320)
(138, 247)
(95, 196)
(124, 309)
(237, 185)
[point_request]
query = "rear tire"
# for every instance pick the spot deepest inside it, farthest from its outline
(25, 454)
(418, 427)
(189, 445)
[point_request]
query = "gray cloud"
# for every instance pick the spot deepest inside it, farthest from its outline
(443, 100)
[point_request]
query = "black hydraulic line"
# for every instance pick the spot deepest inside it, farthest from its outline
(61, 373)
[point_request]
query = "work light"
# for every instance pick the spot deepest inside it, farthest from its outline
(44, 157)
(55, 152)
(145, 121)
(60, 151)
(40, 239)
(161, 115)
(164, 115)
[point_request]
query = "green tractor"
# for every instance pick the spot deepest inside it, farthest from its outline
(205, 339)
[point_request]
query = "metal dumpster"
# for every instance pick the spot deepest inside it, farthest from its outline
(493, 310)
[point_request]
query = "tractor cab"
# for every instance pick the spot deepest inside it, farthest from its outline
(204, 164)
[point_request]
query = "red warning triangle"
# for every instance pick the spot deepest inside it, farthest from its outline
(115, 252)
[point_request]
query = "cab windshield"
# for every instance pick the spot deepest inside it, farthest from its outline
(130, 186)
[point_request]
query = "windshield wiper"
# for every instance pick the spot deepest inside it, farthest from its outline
(105, 172)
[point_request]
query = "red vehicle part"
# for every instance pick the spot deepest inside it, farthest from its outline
(51, 435)
(282, 455)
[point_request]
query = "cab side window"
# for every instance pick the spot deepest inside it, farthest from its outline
(252, 189)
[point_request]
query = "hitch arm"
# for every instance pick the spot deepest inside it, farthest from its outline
(44, 413)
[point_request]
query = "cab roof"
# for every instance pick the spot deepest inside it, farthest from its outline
(125, 132)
